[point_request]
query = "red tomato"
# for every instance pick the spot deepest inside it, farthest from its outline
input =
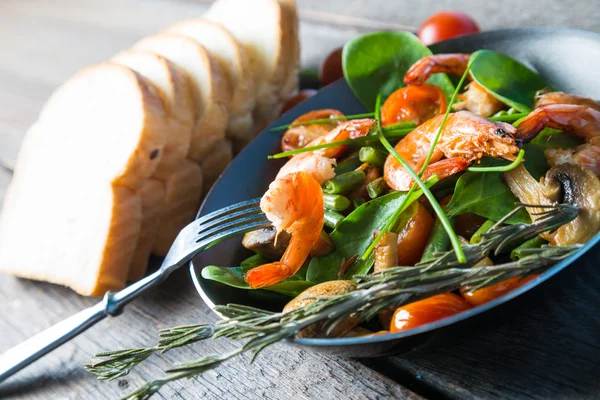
(413, 103)
(412, 238)
(428, 310)
(492, 292)
(445, 25)
(297, 99)
(331, 67)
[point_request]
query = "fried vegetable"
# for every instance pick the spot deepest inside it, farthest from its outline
(263, 242)
(386, 252)
(565, 183)
(330, 288)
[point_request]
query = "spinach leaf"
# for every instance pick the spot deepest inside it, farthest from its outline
(375, 64)
(506, 79)
(485, 194)
(355, 234)
(234, 276)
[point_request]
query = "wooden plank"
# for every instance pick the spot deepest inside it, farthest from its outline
(279, 372)
(547, 350)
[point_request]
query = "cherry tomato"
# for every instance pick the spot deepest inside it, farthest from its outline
(412, 238)
(413, 103)
(299, 136)
(467, 225)
(492, 292)
(330, 69)
(445, 25)
(297, 99)
(428, 310)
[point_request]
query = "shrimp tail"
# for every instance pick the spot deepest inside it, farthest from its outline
(268, 274)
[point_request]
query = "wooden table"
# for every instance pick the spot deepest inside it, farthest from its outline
(549, 351)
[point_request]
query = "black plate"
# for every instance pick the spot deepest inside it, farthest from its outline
(567, 58)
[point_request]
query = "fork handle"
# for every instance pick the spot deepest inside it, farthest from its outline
(20, 356)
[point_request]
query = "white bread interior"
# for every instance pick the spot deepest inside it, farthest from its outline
(177, 92)
(183, 193)
(260, 26)
(153, 206)
(59, 226)
(212, 90)
(236, 64)
(115, 138)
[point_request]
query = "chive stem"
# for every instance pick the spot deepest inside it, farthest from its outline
(501, 168)
(400, 133)
(508, 117)
(322, 121)
(344, 183)
(335, 202)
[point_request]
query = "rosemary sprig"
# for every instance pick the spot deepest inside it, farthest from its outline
(386, 290)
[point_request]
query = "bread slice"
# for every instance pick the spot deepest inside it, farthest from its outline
(183, 193)
(236, 63)
(290, 85)
(108, 121)
(216, 162)
(58, 226)
(152, 198)
(177, 92)
(212, 90)
(260, 26)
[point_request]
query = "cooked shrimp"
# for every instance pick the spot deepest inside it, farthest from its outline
(466, 138)
(319, 163)
(587, 155)
(454, 64)
(475, 99)
(582, 121)
(579, 120)
(299, 136)
(293, 203)
(545, 96)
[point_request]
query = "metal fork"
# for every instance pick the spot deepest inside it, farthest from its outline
(201, 234)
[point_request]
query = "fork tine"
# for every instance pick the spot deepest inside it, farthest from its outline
(226, 218)
(238, 230)
(227, 210)
(240, 221)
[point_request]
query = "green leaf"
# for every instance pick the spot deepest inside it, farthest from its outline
(484, 194)
(234, 276)
(375, 64)
(507, 79)
(535, 159)
(354, 235)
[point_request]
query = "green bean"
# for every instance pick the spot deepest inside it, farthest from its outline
(377, 187)
(438, 240)
(357, 202)
(349, 164)
(372, 156)
(344, 183)
(534, 243)
(333, 219)
(335, 202)
(477, 236)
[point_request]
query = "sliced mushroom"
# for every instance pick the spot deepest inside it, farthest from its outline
(263, 242)
(330, 288)
(386, 252)
(565, 183)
